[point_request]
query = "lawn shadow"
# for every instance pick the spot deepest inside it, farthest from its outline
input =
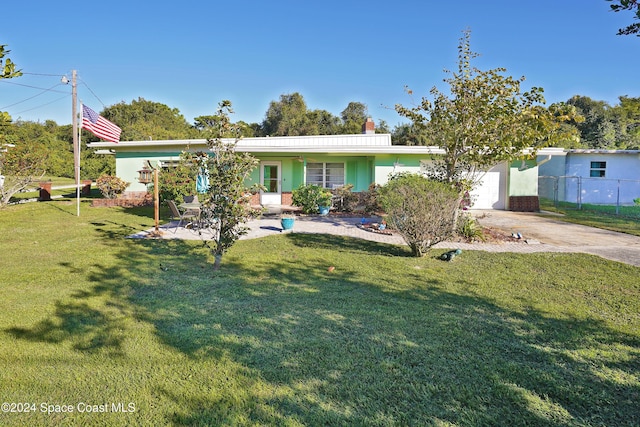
(345, 348)
(88, 329)
(377, 341)
(347, 244)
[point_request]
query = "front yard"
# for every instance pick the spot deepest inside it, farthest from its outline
(142, 332)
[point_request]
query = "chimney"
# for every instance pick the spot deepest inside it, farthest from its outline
(369, 126)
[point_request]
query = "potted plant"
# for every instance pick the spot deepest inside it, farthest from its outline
(324, 202)
(311, 197)
(287, 220)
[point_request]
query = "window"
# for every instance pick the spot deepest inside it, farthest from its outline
(327, 175)
(598, 169)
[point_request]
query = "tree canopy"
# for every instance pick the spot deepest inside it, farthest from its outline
(607, 127)
(290, 117)
(147, 120)
(633, 6)
(7, 67)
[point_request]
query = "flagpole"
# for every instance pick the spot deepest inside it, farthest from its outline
(76, 136)
(78, 189)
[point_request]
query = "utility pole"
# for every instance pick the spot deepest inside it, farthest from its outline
(76, 136)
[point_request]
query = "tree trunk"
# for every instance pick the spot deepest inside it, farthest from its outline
(217, 262)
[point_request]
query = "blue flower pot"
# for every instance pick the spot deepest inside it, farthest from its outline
(324, 210)
(287, 223)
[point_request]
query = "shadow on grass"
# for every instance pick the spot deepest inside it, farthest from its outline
(377, 341)
(89, 329)
(346, 244)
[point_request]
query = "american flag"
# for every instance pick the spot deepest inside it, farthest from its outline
(99, 126)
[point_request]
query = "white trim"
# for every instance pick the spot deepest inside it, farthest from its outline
(269, 198)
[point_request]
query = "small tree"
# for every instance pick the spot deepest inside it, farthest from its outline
(423, 211)
(21, 165)
(227, 205)
(485, 120)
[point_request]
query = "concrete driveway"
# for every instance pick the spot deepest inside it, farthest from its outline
(565, 236)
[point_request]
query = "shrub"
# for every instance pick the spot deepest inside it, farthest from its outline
(637, 201)
(469, 228)
(111, 186)
(345, 199)
(310, 196)
(369, 199)
(421, 210)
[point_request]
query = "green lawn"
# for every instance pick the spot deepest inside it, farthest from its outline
(88, 317)
(605, 217)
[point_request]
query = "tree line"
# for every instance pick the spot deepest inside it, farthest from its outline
(604, 127)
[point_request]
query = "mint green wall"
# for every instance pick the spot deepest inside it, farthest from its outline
(297, 175)
(386, 165)
(358, 170)
(129, 163)
(523, 181)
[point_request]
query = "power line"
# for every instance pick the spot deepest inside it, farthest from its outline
(45, 90)
(31, 97)
(43, 105)
(41, 74)
(34, 87)
(92, 92)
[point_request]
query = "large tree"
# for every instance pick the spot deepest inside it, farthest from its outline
(627, 113)
(143, 120)
(608, 127)
(288, 117)
(485, 120)
(353, 117)
(409, 134)
(633, 6)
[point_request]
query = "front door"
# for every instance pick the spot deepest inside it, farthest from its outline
(270, 178)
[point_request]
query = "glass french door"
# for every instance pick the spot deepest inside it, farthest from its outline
(270, 178)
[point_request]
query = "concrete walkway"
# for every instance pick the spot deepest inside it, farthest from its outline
(539, 234)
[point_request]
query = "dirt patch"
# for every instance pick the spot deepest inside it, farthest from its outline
(490, 235)
(494, 235)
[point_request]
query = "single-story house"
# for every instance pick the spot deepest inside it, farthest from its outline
(607, 177)
(286, 162)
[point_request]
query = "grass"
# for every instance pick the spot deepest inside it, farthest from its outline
(628, 221)
(274, 338)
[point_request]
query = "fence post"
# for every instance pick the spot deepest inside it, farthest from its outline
(618, 200)
(579, 195)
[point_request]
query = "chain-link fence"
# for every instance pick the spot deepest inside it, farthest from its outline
(615, 196)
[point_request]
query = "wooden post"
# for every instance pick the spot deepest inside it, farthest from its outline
(156, 201)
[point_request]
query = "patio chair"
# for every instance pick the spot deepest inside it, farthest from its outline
(181, 216)
(191, 199)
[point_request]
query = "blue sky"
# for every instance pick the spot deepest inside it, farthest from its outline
(190, 55)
